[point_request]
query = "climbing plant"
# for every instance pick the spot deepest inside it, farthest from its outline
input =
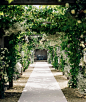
(55, 59)
(62, 64)
(49, 20)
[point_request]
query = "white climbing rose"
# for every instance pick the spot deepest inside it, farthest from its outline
(81, 36)
(18, 66)
(73, 11)
(1, 57)
(7, 65)
(83, 45)
(82, 41)
(1, 48)
(79, 21)
(59, 0)
(22, 53)
(85, 49)
(3, 52)
(67, 5)
(84, 11)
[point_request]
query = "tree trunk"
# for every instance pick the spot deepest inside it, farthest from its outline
(11, 82)
(1, 88)
(2, 91)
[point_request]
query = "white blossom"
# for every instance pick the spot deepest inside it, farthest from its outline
(81, 36)
(79, 21)
(73, 11)
(81, 82)
(82, 41)
(85, 57)
(5, 48)
(67, 5)
(22, 53)
(81, 62)
(14, 29)
(1, 57)
(84, 49)
(1, 48)
(7, 65)
(83, 45)
(3, 52)
(18, 66)
(84, 11)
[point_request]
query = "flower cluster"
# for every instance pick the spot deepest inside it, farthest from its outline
(82, 44)
(4, 57)
(18, 66)
(81, 82)
(14, 29)
(4, 62)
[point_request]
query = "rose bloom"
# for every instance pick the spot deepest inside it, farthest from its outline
(84, 11)
(79, 21)
(67, 5)
(73, 11)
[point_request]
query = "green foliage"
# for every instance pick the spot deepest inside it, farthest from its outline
(25, 60)
(62, 64)
(9, 1)
(55, 60)
(48, 19)
(10, 14)
(50, 48)
(4, 65)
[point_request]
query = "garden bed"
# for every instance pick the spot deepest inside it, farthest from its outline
(14, 93)
(72, 95)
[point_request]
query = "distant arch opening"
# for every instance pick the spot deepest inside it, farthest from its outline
(40, 54)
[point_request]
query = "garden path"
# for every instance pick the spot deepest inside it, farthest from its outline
(42, 86)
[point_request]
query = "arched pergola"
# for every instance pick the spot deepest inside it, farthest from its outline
(39, 2)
